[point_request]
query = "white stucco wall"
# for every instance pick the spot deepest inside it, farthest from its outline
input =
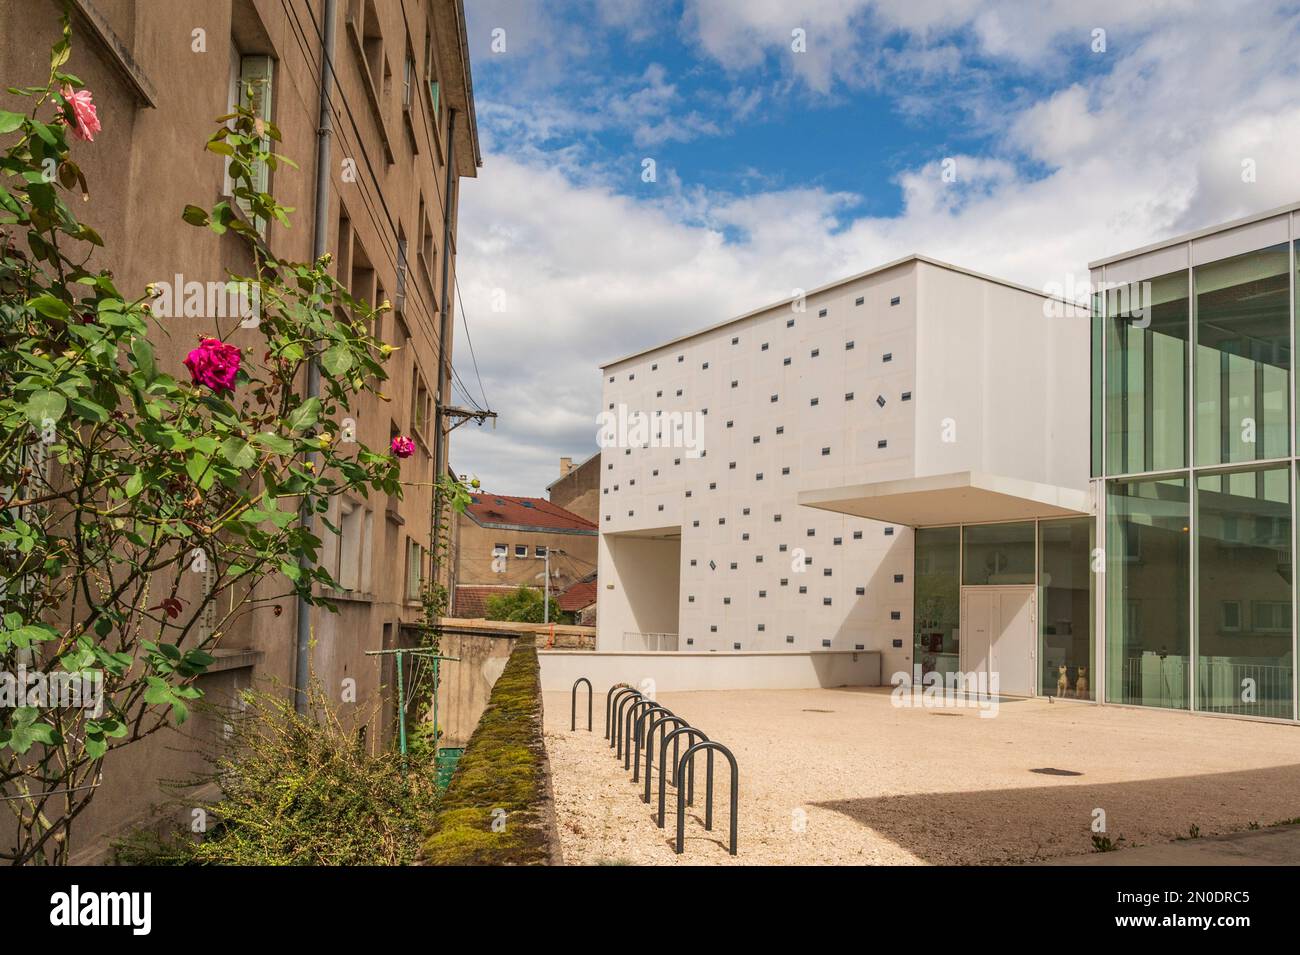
(669, 672)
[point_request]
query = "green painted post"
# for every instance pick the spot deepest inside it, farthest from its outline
(436, 661)
(401, 710)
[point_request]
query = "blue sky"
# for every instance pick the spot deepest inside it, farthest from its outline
(777, 168)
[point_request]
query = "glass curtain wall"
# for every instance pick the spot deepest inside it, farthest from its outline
(1243, 357)
(1066, 630)
(1228, 584)
(1148, 329)
(1243, 553)
(937, 592)
(998, 553)
(1148, 572)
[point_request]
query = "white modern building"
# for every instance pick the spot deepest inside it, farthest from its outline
(826, 430)
(959, 474)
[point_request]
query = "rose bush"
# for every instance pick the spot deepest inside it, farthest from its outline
(118, 479)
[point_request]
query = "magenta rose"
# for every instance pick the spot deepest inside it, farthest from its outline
(84, 123)
(214, 364)
(402, 447)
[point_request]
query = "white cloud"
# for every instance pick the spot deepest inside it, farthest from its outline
(1128, 146)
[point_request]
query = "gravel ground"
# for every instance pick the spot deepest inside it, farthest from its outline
(832, 777)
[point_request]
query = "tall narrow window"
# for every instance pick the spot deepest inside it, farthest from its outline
(1148, 582)
(1243, 357)
(1146, 375)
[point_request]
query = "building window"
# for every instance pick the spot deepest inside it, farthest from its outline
(858, 300)
(521, 550)
(499, 550)
(414, 569)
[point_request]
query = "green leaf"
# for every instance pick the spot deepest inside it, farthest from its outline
(239, 453)
(49, 306)
(142, 352)
(305, 415)
(45, 406)
(135, 484)
(273, 442)
(10, 121)
(336, 360)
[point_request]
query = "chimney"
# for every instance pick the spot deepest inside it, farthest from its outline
(566, 465)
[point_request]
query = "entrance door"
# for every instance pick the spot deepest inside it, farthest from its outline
(998, 635)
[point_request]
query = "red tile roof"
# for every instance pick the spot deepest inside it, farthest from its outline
(579, 595)
(525, 513)
(471, 601)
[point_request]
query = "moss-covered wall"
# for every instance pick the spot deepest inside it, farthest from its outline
(504, 767)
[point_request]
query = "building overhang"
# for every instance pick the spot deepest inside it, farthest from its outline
(963, 497)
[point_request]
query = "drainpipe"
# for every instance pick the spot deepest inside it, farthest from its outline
(320, 225)
(444, 323)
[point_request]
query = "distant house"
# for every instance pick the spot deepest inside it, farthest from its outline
(577, 488)
(503, 541)
(579, 601)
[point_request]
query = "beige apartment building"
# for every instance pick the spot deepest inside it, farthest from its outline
(401, 134)
(577, 489)
(503, 541)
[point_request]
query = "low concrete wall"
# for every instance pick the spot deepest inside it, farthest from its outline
(723, 670)
(549, 635)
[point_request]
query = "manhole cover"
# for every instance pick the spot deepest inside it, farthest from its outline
(1049, 771)
(819, 711)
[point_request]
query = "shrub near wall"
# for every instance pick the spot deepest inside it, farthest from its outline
(503, 770)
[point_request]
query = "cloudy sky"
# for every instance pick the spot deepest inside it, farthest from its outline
(1075, 129)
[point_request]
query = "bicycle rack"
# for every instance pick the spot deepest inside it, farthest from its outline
(629, 729)
(573, 704)
(691, 732)
(708, 791)
(639, 736)
(611, 729)
(655, 723)
(627, 701)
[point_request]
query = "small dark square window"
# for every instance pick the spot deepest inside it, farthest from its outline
(735, 341)
(704, 367)
(690, 641)
(826, 643)
(785, 470)
(780, 429)
(848, 346)
(789, 638)
(821, 313)
(826, 572)
(745, 536)
(861, 591)
(731, 466)
(730, 423)
(826, 452)
(764, 347)
(898, 578)
(681, 358)
(812, 532)
(785, 581)
(814, 402)
(895, 615)
(789, 323)
(735, 646)
(784, 361)
(803, 589)
(758, 476)
(659, 393)
(858, 301)
(889, 532)
(887, 356)
(735, 384)
(907, 396)
(726, 601)
(882, 443)
(826, 601)
(762, 594)
(713, 628)
(654, 367)
(816, 352)
(837, 541)
(782, 548)
(848, 396)
(776, 518)
(880, 400)
(857, 535)
(895, 300)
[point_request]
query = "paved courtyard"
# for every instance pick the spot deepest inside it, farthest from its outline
(844, 777)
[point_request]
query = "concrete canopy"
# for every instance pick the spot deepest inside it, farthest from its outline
(963, 497)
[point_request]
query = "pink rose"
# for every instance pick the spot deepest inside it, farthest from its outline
(403, 447)
(214, 364)
(83, 113)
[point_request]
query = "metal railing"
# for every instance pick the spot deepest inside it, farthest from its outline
(1223, 685)
(649, 642)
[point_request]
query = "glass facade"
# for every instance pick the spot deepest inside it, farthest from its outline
(1148, 563)
(1065, 626)
(998, 554)
(1243, 357)
(1198, 487)
(937, 591)
(1148, 327)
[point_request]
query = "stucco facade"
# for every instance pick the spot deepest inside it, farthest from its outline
(160, 74)
(953, 391)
